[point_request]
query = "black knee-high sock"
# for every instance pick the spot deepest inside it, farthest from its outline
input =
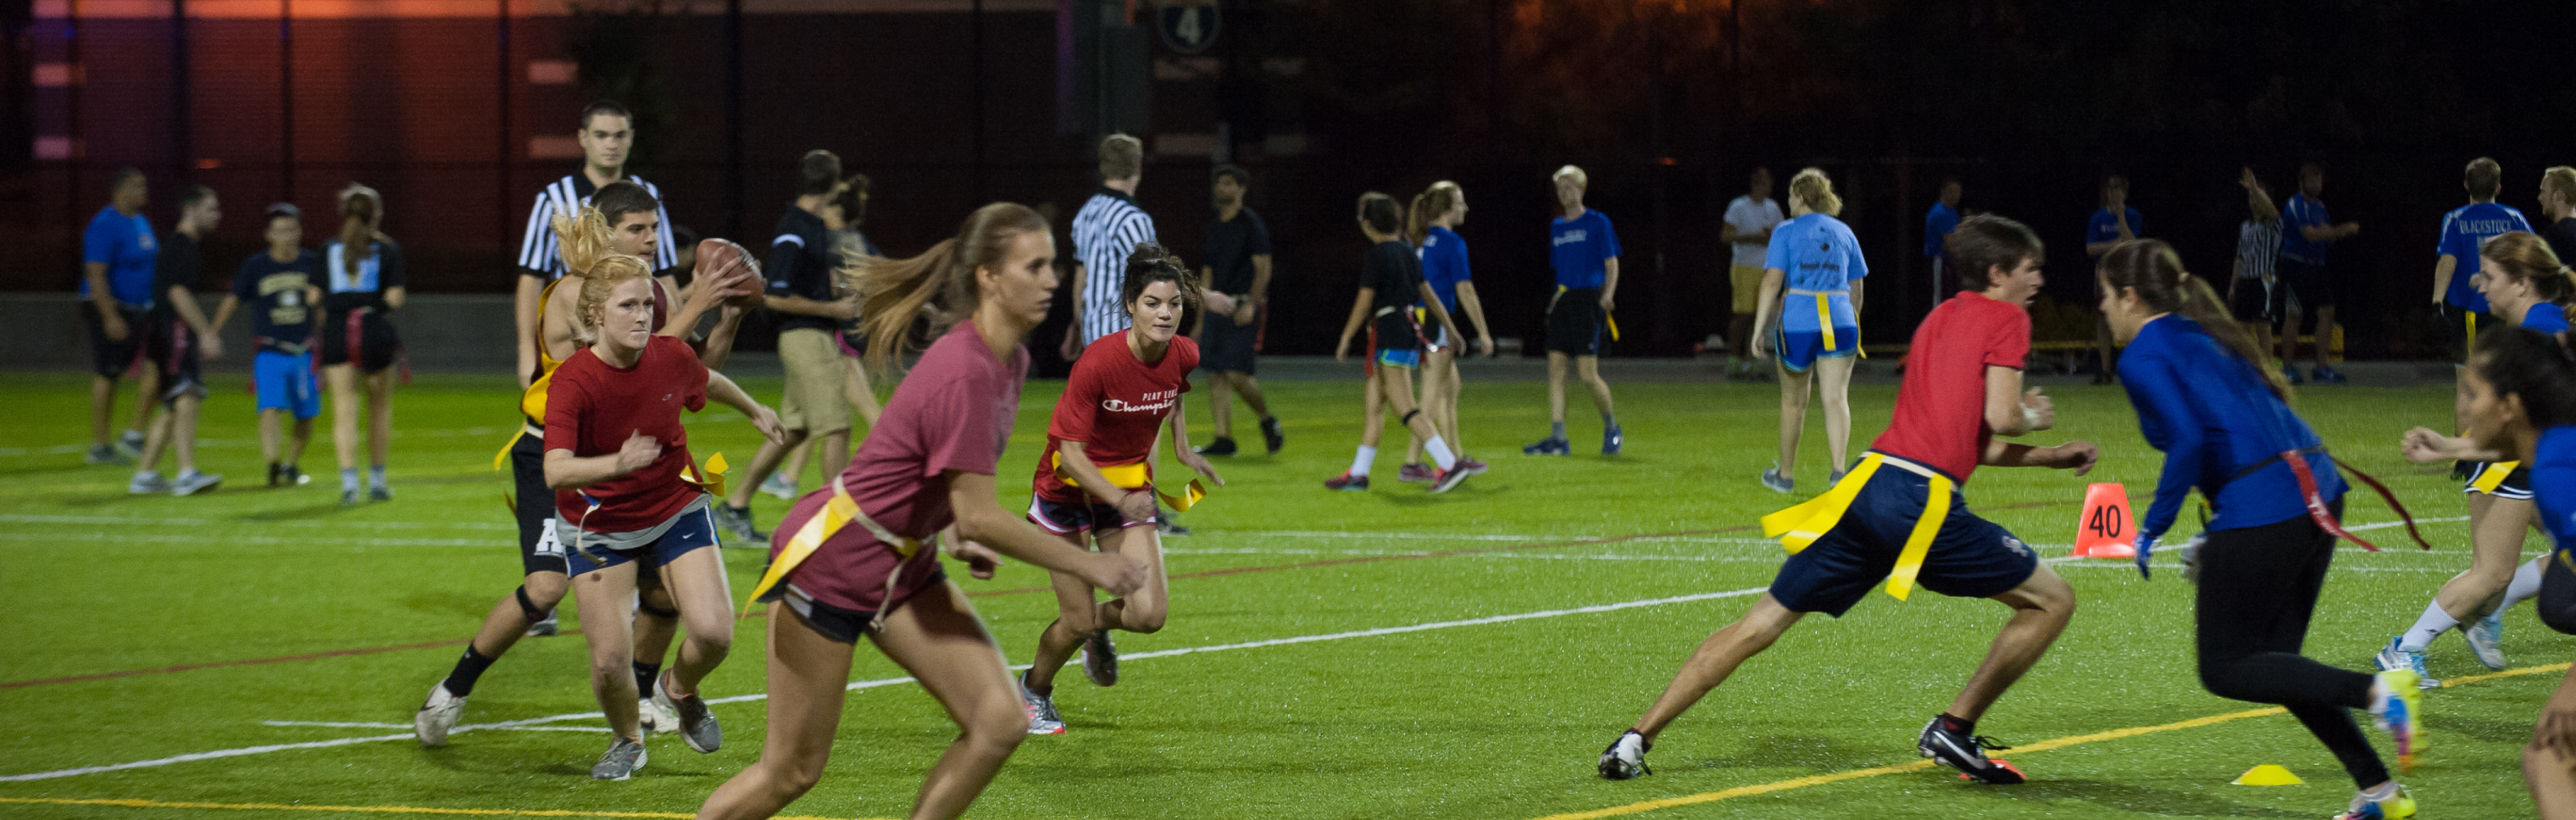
(645, 675)
(468, 669)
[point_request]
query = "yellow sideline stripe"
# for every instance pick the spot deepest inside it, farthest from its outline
(159, 804)
(2041, 746)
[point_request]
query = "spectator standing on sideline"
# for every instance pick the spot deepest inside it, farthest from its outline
(1937, 225)
(2558, 208)
(2463, 230)
(1236, 274)
(607, 135)
(2115, 223)
(1585, 254)
(1749, 220)
(117, 253)
(285, 301)
(2306, 233)
(801, 267)
(175, 335)
(1105, 232)
(843, 217)
(2253, 299)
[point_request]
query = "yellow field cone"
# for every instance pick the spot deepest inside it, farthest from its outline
(2268, 775)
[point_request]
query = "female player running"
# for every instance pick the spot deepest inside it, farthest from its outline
(1431, 224)
(613, 438)
(853, 558)
(364, 271)
(2225, 426)
(2521, 390)
(1817, 325)
(1390, 283)
(2525, 286)
(1095, 482)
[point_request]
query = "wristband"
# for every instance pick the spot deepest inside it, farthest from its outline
(2029, 417)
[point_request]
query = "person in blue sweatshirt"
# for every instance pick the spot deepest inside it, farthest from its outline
(2520, 386)
(2227, 430)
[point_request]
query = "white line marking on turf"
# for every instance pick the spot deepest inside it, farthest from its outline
(23, 518)
(871, 684)
(342, 724)
(317, 541)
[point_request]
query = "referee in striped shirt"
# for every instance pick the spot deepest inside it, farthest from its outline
(2252, 298)
(1105, 231)
(607, 134)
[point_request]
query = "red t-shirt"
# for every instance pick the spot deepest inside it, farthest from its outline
(1116, 406)
(590, 410)
(1940, 419)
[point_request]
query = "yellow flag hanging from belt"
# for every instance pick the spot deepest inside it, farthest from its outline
(1798, 527)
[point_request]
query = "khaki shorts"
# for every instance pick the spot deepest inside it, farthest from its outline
(1748, 287)
(815, 402)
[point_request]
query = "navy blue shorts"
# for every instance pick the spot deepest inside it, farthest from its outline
(693, 530)
(1970, 558)
(1089, 515)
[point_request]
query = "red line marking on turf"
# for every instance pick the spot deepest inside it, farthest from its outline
(995, 593)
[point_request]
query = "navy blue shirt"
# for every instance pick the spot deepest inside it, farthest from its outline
(1580, 249)
(1937, 226)
(2211, 415)
(801, 259)
(279, 299)
(2105, 227)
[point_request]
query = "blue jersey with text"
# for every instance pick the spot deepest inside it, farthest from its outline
(1581, 248)
(2464, 229)
(1817, 254)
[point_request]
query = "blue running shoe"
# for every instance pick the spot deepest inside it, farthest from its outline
(1550, 446)
(2393, 658)
(2326, 375)
(2486, 638)
(2291, 375)
(1610, 439)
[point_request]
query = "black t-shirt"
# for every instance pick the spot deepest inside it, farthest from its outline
(2562, 239)
(1395, 272)
(280, 315)
(1231, 245)
(176, 267)
(801, 260)
(364, 284)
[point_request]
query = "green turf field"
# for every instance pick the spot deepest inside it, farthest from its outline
(259, 653)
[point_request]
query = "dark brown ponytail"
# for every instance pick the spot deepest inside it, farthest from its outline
(2153, 269)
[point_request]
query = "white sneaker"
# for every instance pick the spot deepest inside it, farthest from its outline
(654, 717)
(779, 485)
(2486, 640)
(147, 484)
(193, 482)
(437, 715)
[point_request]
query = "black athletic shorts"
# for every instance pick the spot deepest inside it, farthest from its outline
(377, 342)
(1226, 347)
(2464, 325)
(2315, 290)
(2252, 302)
(539, 549)
(171, 346)
(840, 624)
(108, 357)
(1575, 324)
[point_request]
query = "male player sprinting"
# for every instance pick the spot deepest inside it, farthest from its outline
(1898, 512)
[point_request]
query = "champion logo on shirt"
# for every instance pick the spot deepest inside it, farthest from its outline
(1570, 237)
(1149, 403)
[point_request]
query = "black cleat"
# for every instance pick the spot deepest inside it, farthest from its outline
(1221, 446)
(1626, 757)
(1966, 754)
(1270, 435)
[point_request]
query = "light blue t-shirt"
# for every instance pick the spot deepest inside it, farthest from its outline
(1580, 249)
(1444, 264)
(2464, 229)
(2105, 226)
(126, 246)
(1816, 252)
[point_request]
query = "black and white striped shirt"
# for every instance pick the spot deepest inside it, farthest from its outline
(1105, 232)
(2258, 244)
(537, 256)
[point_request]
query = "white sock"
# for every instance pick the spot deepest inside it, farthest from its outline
(1360, 463)
(2430, 625)
(1439, 451)
(2526, 583)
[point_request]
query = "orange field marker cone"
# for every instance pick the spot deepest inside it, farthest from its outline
(2268, 775)
(2106, 530)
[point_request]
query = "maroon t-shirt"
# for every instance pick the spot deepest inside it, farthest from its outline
(1940, 419)
(591, 408)
(952, 412)
(1116, 406)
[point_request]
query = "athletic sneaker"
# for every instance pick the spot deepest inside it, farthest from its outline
(1472, 466)
(545, 627)
(103, 454)
(1771, 478)
(2292, 375)
(2397, 804)
(296, 477)
(1610, 441)
(1836, 479)
(653, 718)
(1168, 526)
(276, 474)
(349, 495)
(697, 725)
(623, 759)
(1346, 481)
(1270, 435)
(1966, 753)
(380, 493)
(1042, 717)
(737, 523)
(1100, 659)
(1449, 479)
(437, 715)
(1626, 757)
(2393, 658)
(2486, 639)
(193, 482)
(781, 486)
(2396, 706)
(1550, 446)
(146, 483)
(1416, 473)
(2326, 375)
(1220, 446)
(130, 443)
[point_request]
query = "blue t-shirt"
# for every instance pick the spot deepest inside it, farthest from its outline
(278, 298)
(1444, 264)
(1937, 226)
(2212, 415)
(125, 245)
(2546, 317)
(2302, 212)
(2553, 484)
(1579, 249)
(2464, 229)
(2105, 227)
(1816, 252)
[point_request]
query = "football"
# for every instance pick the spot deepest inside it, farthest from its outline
(715, 256)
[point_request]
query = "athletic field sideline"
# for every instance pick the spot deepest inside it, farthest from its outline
(258, 653)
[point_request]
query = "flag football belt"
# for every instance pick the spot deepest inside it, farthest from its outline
(1606, 318)
(838, 512)
(1825, 313)
(1134, 477)
(1413, 317)
(1800, 526)
(2316, 502)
